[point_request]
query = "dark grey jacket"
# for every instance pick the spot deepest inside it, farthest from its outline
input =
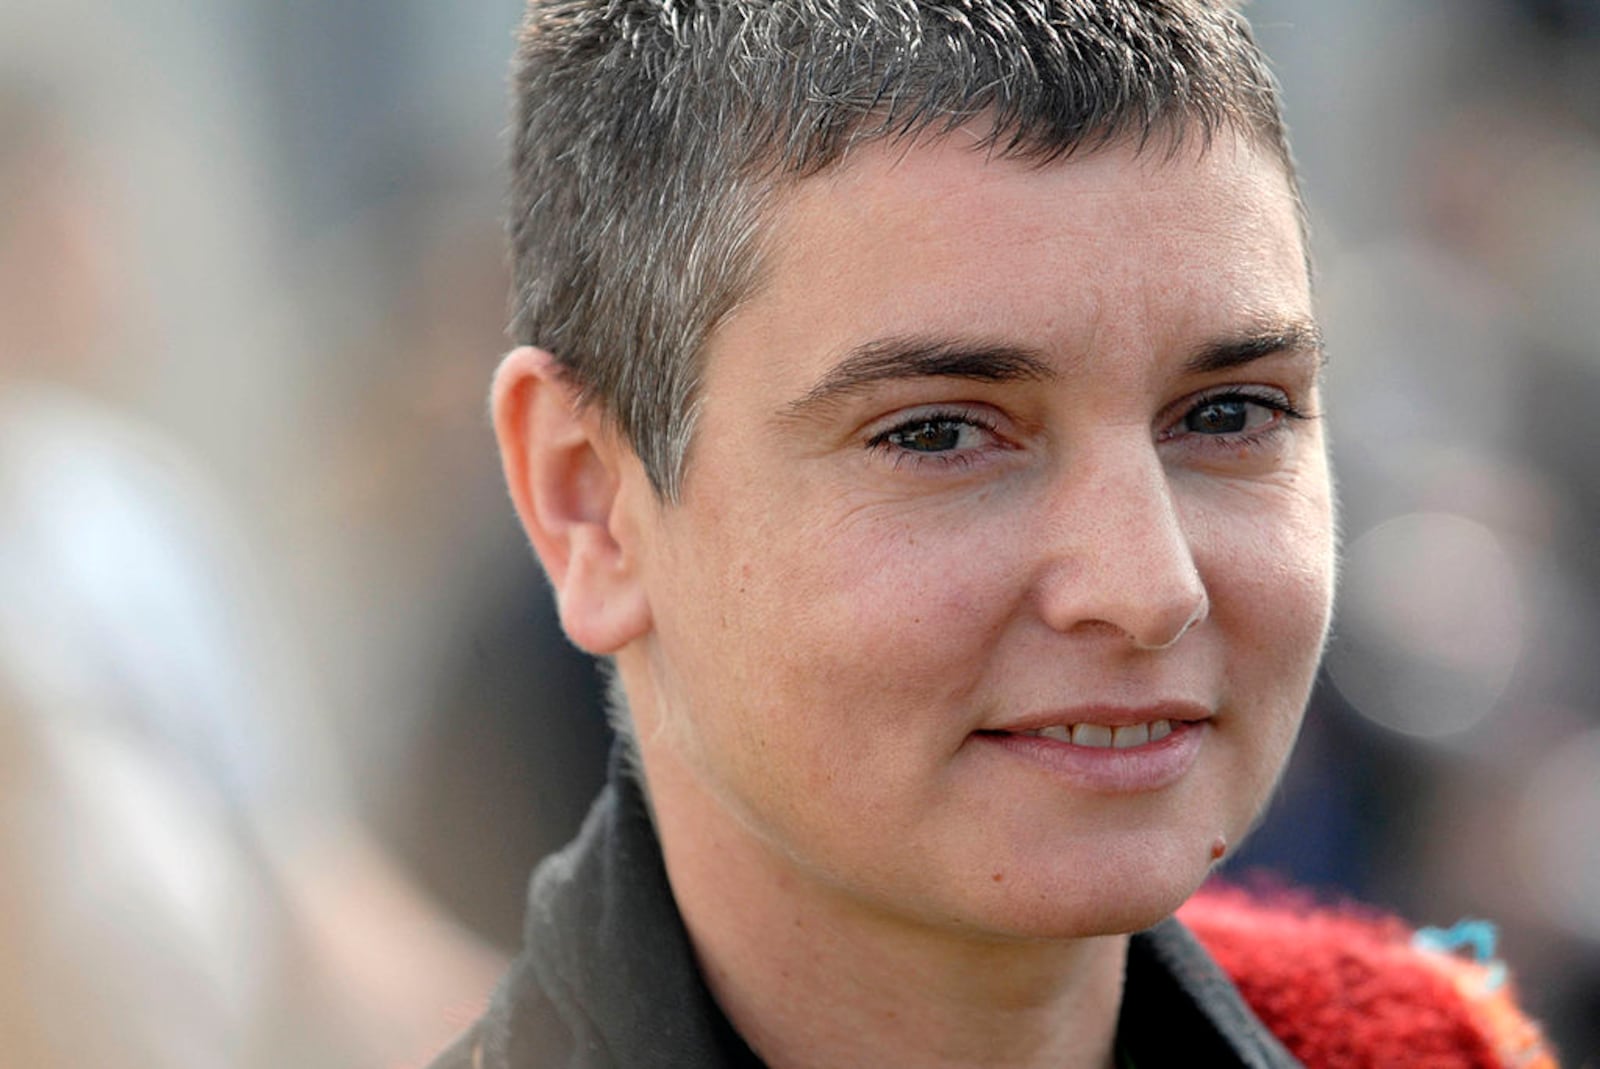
(608, 980)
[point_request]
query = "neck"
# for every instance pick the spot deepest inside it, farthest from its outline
(811, 977)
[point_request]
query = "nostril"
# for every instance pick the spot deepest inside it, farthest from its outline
(1197, 615)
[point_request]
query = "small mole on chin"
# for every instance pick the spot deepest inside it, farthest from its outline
(1219, 847)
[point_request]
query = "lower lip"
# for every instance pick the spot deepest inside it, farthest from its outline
(1131, 771)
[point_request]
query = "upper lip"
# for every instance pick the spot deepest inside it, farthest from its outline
(1109, 715)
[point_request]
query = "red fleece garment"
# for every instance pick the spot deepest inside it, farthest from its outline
(1344, 988)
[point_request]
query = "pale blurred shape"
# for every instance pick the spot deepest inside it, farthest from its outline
(1431, 623)
(1557, 820)
(139, 877)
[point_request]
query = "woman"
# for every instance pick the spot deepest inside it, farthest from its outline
(920, 405)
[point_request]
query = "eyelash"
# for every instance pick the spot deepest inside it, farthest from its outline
(1274, 402)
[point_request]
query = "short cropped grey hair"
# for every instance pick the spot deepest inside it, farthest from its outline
(650, 135)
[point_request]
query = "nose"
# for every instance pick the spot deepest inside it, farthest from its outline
(1118, 556)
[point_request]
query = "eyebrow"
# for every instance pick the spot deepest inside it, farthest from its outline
(910, 357)
(1290, 336)
(891, 359)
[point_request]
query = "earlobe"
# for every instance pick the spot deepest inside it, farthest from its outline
(563, 468)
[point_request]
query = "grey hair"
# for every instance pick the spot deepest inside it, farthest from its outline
(651, 135)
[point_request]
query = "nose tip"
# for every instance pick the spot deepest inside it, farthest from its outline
(1125, 565)
(1153, 598)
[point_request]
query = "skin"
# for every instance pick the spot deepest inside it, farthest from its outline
(875, 572)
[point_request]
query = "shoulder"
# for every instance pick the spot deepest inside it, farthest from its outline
(1345, 986)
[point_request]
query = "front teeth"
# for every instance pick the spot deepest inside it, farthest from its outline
(1094, 736)
(1101, 737)
(1133, 735)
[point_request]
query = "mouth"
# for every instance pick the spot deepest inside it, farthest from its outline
(1100, 736)
(1116, 750)
(1107, 727)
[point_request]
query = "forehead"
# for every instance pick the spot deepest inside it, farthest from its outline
(942, 236)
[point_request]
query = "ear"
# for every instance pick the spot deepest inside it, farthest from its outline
(564, 469)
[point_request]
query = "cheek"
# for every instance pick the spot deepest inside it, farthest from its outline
(849, 644)
(1269, 571)
(1266, 552)
(920, 599)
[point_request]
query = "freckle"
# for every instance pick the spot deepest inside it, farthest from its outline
(1219, 846)
(998, 877)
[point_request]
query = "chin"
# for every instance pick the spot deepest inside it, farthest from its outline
(1120, 895)
(1106, 918)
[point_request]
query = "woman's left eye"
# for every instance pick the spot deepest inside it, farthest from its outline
(1227, 415)
(1235, 415)
(934, 436)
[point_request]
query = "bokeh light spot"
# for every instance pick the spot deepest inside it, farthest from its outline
(1431, 623)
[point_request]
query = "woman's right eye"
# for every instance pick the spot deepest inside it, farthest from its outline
(942, 437)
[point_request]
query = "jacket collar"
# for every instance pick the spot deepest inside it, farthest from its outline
(608, 978)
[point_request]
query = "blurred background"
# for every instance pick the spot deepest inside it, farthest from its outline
(285, 717)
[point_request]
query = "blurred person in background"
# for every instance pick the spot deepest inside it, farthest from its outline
(187, 882)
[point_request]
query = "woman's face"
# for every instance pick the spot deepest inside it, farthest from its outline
(1004, 556)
